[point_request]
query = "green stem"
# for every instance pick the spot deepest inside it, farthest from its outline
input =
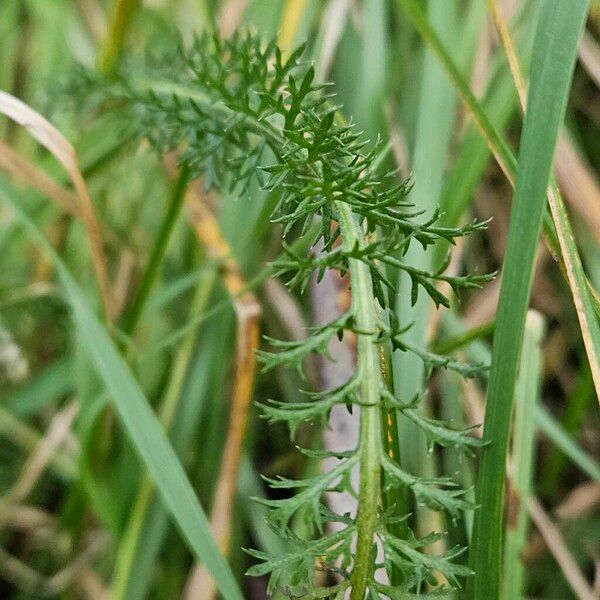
(132, 317)
(397, 497)
(121, 19)
(363, 308)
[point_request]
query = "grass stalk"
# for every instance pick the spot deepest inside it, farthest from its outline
(561, 437)
(555, 49)
(572, 263)
(577, 406)
(563, 250)
(556, 433)
(133, 315)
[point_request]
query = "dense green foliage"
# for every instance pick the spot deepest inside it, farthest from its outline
(230, 102)
(145, 452)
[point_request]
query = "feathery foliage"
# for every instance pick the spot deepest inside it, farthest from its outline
(238, 112)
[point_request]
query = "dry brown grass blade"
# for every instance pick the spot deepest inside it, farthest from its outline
(34, 584)
(579, 184)
(39, 459)
(58, 583)
(585, 498)
(589, 56)
(49, 137)
(29, 518)
(94, 18)
(122, 280)
(20, 169)
(557, 209)
(582, 501)
(509, 48)
(247, 309)
(18, 573)
(559, 550)
(92, 587)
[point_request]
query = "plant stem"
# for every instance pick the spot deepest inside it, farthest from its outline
(363, 308)
(365, 320)
(133, 315)
(396, 497)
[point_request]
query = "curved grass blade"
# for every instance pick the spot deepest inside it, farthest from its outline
(50, 138)
(140, 423)
(555, 48)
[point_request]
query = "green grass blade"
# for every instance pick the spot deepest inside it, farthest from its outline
(563, 440)
(434, 129)
(132, 317)
(415, 12)
(556, 433)
(148, 519)
(41, 390)
(140, 423)
(527, 395)
(555, 48)
(374, 67)
(499, 103)
(571, 420)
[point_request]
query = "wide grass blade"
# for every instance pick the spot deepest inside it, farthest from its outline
(555, 49)
(433, 135)
(140, 423)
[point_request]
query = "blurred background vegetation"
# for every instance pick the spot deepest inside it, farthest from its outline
(79, 517)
